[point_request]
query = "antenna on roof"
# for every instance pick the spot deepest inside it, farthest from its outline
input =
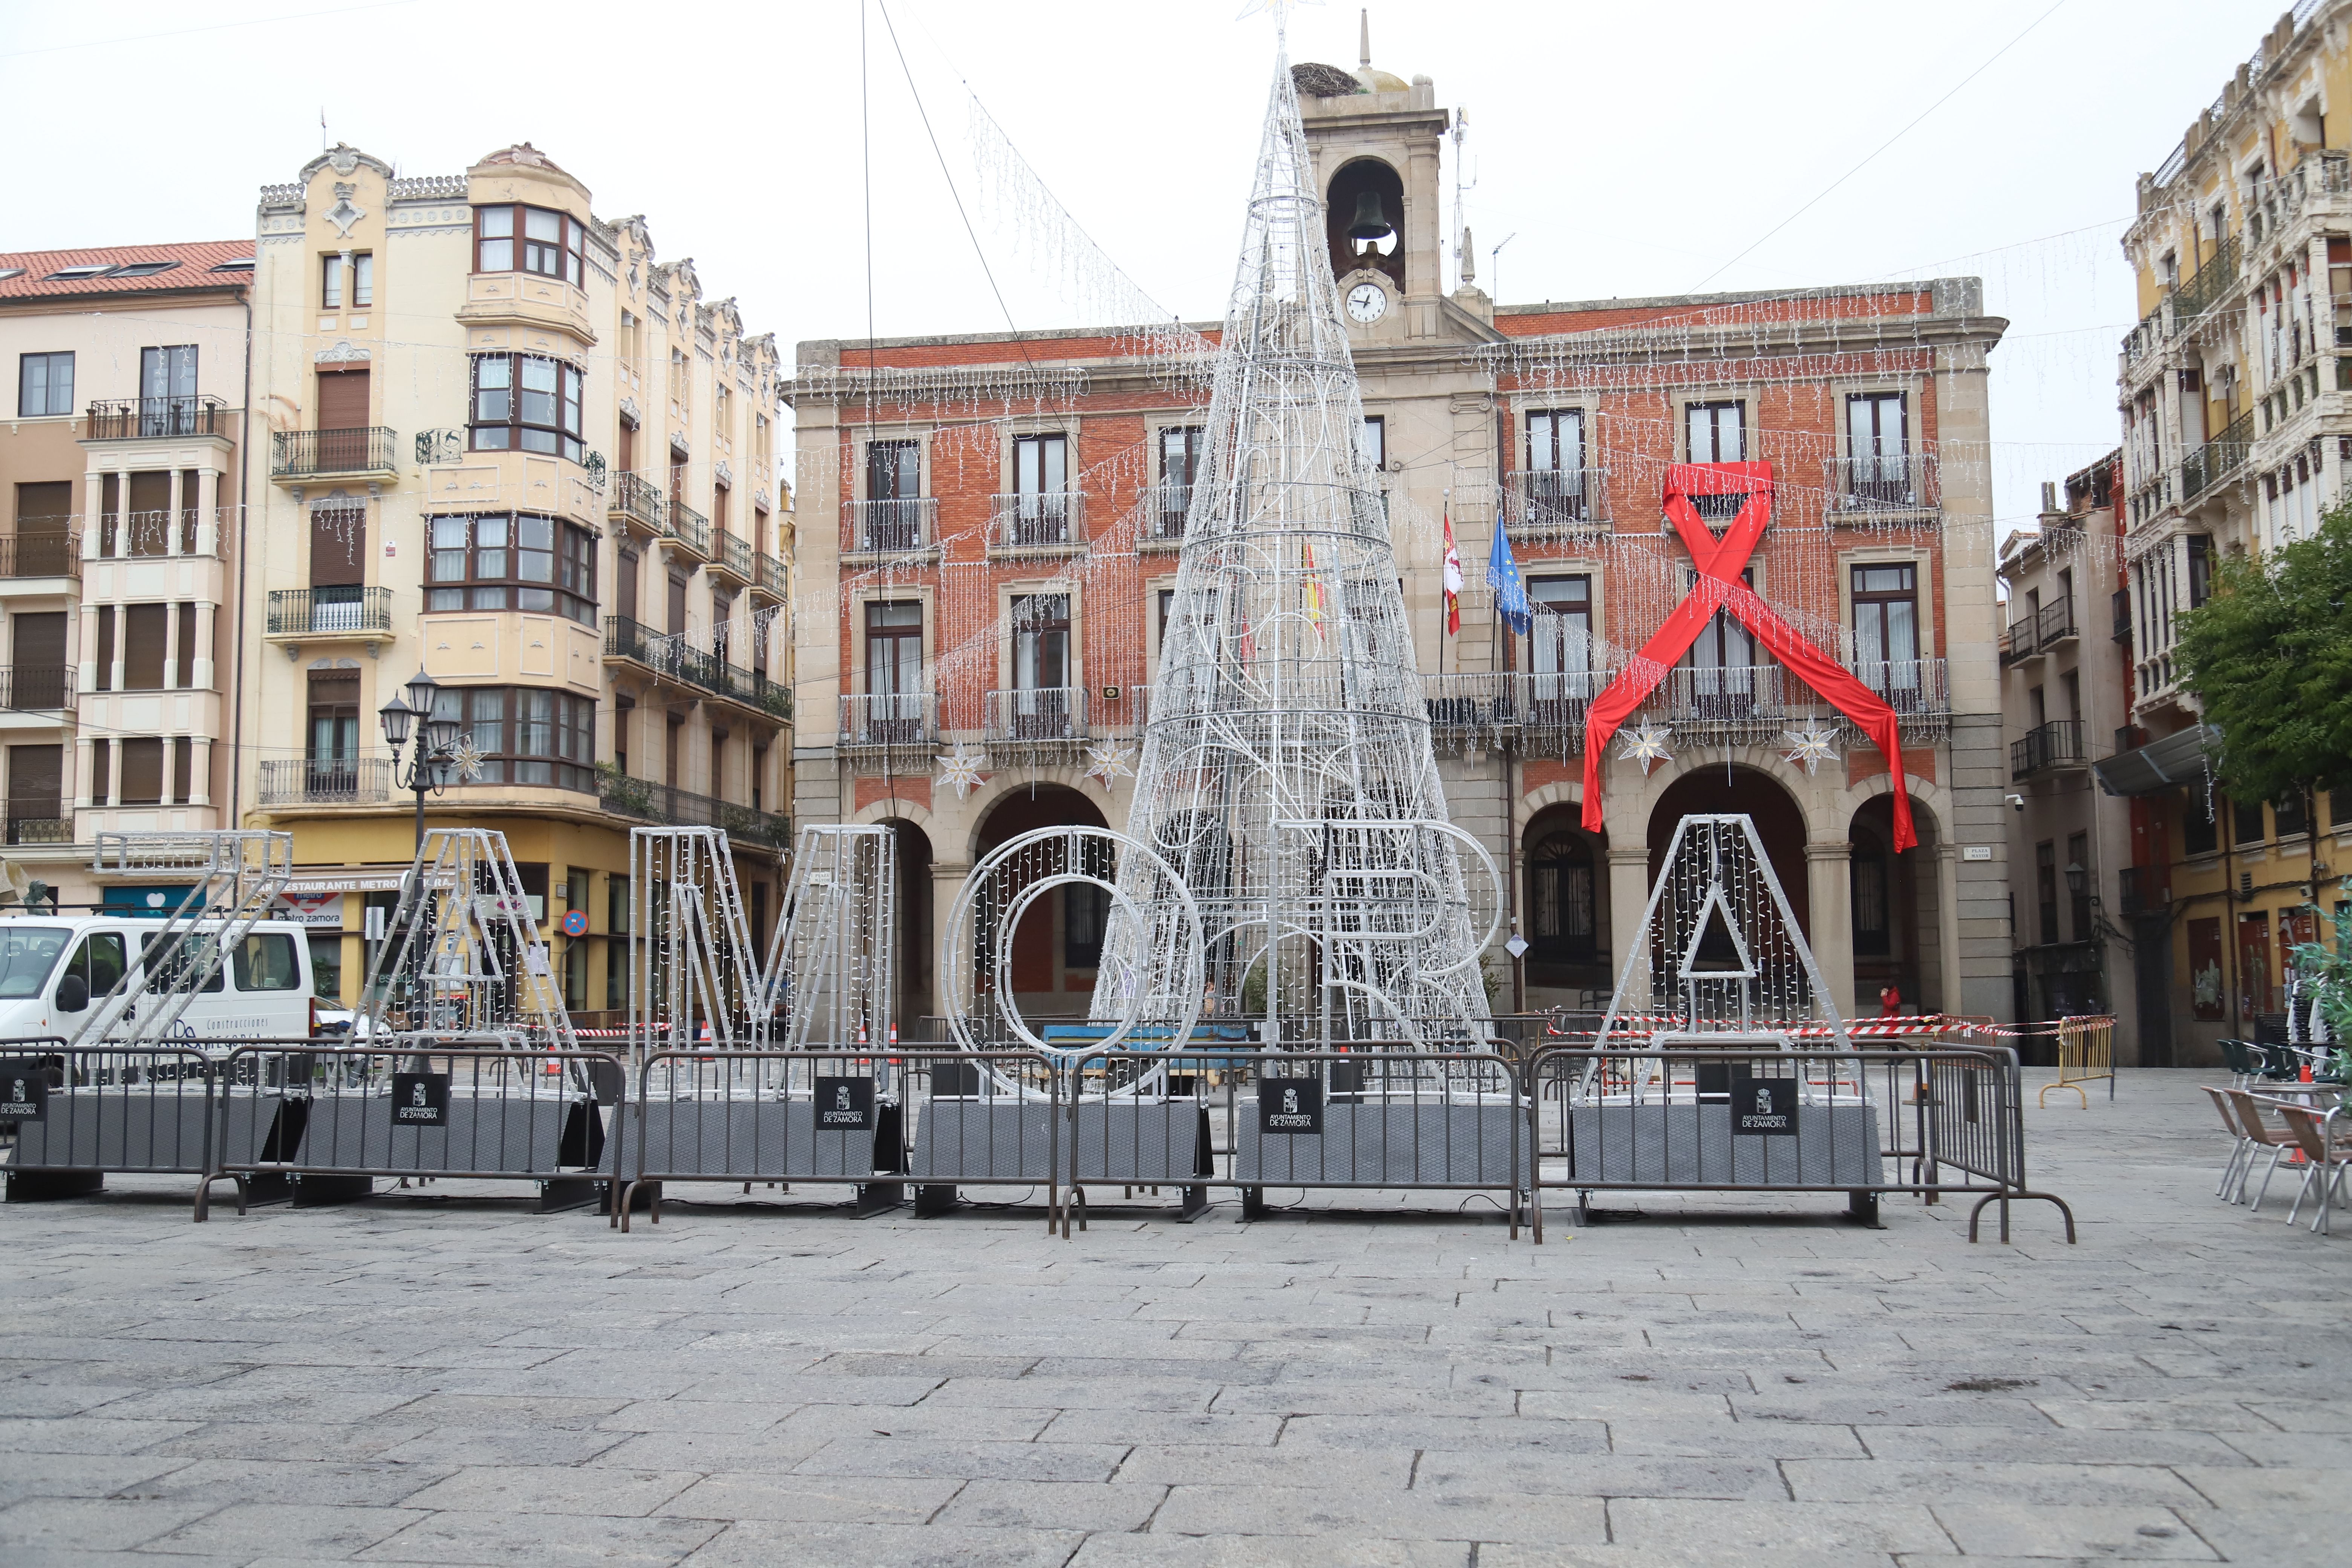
(1364, 39)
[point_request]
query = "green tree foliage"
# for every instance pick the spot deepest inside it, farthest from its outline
(2270, 658)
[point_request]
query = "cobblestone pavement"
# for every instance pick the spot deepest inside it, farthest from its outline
(454, 1380)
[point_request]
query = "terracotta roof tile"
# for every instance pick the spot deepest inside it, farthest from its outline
(32, 274)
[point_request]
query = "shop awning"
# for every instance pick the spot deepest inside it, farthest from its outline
(2176, 760)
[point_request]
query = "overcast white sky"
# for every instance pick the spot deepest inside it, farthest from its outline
(1626, 154)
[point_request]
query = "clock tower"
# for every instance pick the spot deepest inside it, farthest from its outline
(1376, 140)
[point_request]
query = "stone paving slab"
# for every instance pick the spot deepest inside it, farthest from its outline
(1724, 1379)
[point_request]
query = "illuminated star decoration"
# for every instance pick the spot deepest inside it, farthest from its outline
(467, 759)
(1107, 761)
(1812, 747)
(1647, 745)
(961, 769)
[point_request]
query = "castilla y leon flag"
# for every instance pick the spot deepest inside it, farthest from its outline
(1453, 580)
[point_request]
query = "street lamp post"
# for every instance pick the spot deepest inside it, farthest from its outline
(430, 764)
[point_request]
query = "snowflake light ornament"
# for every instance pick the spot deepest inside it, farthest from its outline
(1647, 745)
(1811, 746)
(465, 760)
(1107, 761)
(961, 768)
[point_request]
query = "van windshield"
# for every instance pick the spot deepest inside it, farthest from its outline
(27, 953)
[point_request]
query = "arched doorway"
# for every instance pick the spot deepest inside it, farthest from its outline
(1055, 950)
(1565, 883)
(1779, 823)
(1897, 909)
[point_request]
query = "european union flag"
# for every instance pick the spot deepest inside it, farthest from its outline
(1503, 576)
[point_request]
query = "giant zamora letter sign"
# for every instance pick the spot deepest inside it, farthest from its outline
(1719, 562)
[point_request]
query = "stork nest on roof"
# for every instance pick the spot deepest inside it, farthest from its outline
(1324, 81)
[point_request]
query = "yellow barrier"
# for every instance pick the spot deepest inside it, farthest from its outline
(2086, 1053)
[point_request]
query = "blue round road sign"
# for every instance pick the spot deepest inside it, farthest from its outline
(575, 922)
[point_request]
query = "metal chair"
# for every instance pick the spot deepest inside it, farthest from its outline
(2276, 1139)
(2326, 1151)
(2235, 1056)
(2239, 1145)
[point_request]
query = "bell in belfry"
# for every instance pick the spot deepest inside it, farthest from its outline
(1370, 223)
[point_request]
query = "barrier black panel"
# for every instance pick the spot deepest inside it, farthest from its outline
(985, 1118)
(774, 1116)
(73, 1116)
(339, 1118)
(1742, 1117)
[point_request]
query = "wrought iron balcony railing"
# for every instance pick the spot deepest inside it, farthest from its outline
(2209, 286)
(890, 527)
(772, 577)
(143, 418)
(651, 802)
(330, 611)
(30, 828)
(312, 454)
(2142, 890)
(36, 687)
(1553, 500)
(890, 719)
(1040, 519)
(2054, 625)
(733, 557)
(40, 554)
(326, 781)
(637, 499)
(686, 657)
(1901, 481)
(688, 527)
(2218, 458)
(1037, 714)
(1165, 506)
(2057, 744)
(2017, 642)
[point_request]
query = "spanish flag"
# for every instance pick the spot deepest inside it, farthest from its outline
(1453, 579)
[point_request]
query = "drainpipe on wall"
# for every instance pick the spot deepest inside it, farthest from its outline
(245, 465)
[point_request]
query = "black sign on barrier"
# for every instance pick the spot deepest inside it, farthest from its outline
(24, 1097)
(420, 1100)
(1764, 1107)
(845, 1104)
(1290, 1105)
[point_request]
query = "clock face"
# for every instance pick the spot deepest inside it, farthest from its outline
(1367, 302)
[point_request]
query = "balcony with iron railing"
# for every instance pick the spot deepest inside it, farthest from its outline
(1037, 715)
(770, 579)
(649, 802)
(889, 719)
(892, 527)
(1550, 707)
(686, 529)
(688, 658)
(190, 531)
(1049, 519)
(326, 781)
(2143, 890)
(36, 687)
(159, 419)
(2054, 625)
(301, 456)
(2218, 458)
(1541, 502)
(2017, 641)
(2212, 283)
(730, 559)
(304, 614)
(1901, 481)
(2057, 744)
(37, 824)
(43, 555)
(1161, 512)
(638, 504)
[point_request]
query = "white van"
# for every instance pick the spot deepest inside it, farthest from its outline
(54, 970)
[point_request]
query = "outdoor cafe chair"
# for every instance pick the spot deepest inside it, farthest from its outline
(2326, 1147)
(2237, 1056)
(2275, 1138)
(2240, 1147)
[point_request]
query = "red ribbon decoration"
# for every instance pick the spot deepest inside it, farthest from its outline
(1719, 562)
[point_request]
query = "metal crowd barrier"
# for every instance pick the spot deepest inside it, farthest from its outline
(342, 1117)
(74, 1115)
(2086, 1053)
(935, 1118)
(1748, 1117)
(1375, 1116)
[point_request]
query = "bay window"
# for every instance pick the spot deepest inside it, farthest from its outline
(504, 561)
(526, 403)
(525, 735)
(510, 238)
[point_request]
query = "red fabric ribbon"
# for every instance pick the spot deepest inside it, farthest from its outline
(1719, 562)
